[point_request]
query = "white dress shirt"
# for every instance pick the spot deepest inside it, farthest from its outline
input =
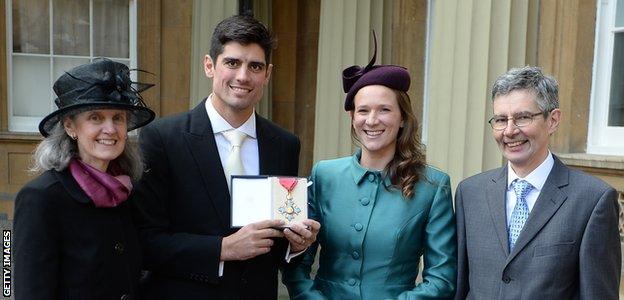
(249, 150)
(536, 178)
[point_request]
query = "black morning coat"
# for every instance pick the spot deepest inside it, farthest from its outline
(66, 248)
(185, 204)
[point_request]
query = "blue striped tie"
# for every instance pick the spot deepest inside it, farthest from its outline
(520, 212)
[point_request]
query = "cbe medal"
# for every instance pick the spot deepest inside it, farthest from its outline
(290, 209)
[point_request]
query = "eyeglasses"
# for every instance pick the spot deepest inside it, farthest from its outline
(519, 120)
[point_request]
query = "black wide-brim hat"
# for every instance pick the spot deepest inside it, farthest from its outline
(355, 77)
(101, 84)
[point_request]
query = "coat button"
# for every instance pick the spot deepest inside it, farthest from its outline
(352, 281)
(119, 247)
(506, 279)
(355, 255)
(371, 177)
(365, 201)
(358, 226)
(124, 297)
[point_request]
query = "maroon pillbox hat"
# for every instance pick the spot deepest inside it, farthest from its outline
(354, 78)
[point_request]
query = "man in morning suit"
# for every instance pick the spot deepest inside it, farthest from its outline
(184, 202)
(534, 229)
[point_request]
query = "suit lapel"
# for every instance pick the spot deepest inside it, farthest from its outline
(548, 202)
(496, 194)
(71, 186)
(268, 146)
(201, 142)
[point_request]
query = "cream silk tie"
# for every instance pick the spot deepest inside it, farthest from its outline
(234, 164)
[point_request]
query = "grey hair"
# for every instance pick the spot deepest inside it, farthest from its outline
(57, 150)
(532, 79)
(54, 152)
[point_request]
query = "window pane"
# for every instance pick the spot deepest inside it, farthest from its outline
(62, 65)
(111, 28)
(31, 26)
(71, 27)
(616, 98)
(619, 14)
(31, 86)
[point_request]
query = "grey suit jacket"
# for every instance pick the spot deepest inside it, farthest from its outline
(569, 247)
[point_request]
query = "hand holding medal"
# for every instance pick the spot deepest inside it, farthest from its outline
(300, 234)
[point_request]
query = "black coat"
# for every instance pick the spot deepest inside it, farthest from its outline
(66, 248)
(185, 203)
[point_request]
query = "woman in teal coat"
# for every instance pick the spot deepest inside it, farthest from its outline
(382, 208)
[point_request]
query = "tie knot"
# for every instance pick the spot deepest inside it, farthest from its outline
(235, 137)
(522, 188)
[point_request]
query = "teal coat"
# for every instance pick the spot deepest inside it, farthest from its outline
(372, 238)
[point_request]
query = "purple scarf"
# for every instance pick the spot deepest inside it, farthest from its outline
(104, 189)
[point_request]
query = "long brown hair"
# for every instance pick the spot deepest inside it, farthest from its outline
(406, 167)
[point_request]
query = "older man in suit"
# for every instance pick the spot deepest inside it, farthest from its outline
(184, 214)
(534, 229)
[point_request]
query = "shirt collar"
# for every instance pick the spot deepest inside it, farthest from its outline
(219, 124)
(537, 178)
(360, 173)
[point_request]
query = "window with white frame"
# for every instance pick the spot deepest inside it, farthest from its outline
(606, 125)
(45, 38)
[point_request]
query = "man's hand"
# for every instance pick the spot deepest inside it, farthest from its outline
(250, 241)
(302, 235)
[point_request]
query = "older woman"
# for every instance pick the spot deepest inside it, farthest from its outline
(382, 208)
(74, 237)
